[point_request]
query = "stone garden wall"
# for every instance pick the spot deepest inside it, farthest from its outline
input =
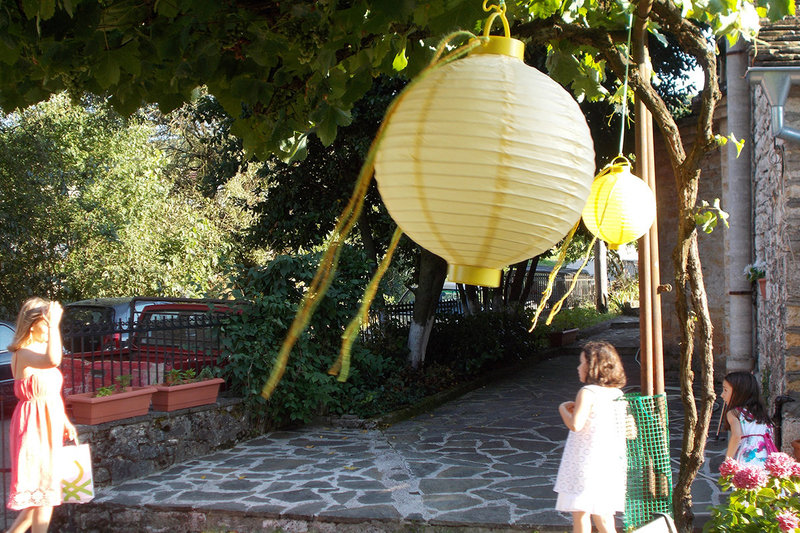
(135, 447)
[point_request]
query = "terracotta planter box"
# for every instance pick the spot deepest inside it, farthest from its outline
(173, 397)
(89, 409)
(563, 337)
(762, 285)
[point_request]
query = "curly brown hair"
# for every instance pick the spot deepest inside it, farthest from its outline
(604, 365)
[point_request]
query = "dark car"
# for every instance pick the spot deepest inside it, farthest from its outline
(7, 399)
(6, 336)
(101, 324)
(181, 333)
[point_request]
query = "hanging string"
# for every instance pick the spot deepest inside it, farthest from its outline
(548, 290)
(347, 219)
(557, 307)
(625, 86)
(563, 250)
(342, 365)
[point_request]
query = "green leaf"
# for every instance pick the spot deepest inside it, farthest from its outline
(128, 58)
(294, 149)
(167, 8)
(706, 217)
(400, 60)
(69, 7)
(106, 72)
(779, 9)
(328, 119)
(47, 8)
(30, 8)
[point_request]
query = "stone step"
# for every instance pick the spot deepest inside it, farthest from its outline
(627, 324)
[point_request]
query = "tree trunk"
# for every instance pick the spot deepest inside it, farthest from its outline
(600, 276)
(516, 282)
(432, 272)
(529, 281)
(365, 230)
(498, 300)
(690, 287)
(473, 302)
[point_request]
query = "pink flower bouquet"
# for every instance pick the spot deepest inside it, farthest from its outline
(762, 499)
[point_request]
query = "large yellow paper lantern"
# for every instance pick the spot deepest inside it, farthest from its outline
(621, 207)
(485, 162)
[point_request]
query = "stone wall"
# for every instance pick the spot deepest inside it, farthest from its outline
(776, 194)
(135, 447)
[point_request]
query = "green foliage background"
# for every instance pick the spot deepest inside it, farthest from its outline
(252, 341)
(89, 209)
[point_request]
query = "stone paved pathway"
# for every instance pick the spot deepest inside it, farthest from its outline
(485, 460)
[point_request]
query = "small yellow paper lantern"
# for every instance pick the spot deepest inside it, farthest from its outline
(485, 162)
(621, 207)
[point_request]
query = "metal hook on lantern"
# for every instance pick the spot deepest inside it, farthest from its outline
(498, 11)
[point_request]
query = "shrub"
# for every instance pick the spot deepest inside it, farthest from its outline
(577, 317)
(623, 289)
(252, 339)
(470, 344)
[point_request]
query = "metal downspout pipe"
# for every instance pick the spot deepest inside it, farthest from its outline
(776, 82)
(737, 200)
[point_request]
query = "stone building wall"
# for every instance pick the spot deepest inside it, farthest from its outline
(770, 228)
(776, 199)
(712, 246)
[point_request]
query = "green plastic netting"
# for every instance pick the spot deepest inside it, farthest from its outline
(649, 473)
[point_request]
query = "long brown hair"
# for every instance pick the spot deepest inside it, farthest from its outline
(604, 365)
(32, 310)
(745, 396)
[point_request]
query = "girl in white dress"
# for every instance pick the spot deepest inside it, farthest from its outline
(591, 477)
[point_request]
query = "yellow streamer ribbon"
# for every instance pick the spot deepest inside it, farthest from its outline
(342, 365)
(548, 290)
(557, 307)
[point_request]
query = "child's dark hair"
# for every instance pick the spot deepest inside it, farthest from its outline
(604, 365)
(745, 396)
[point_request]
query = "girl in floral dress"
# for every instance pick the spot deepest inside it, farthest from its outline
(751, 434)
(39, 423)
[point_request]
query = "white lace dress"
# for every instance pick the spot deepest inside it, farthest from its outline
(593, 470)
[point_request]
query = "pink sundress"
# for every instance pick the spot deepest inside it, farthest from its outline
(36, 435)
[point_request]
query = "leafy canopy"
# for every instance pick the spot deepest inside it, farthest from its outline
(284, 68)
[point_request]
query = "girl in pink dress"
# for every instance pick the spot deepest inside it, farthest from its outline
(39, 423)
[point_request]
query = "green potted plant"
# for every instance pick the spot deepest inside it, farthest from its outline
(113, 402)
(184, 388)
(756, 272)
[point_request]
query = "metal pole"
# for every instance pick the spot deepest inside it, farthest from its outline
(648, 297)
(655, 275)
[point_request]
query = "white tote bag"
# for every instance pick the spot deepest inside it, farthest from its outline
(77, 485)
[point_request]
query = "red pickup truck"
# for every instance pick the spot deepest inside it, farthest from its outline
(155, 339)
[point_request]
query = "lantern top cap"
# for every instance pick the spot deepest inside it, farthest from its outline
(490, 44)
(617, 165)
(506, 46)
